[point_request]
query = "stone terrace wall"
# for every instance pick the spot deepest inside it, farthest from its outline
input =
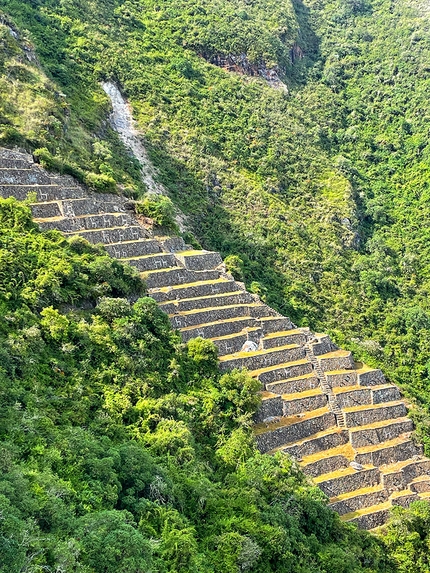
(343, 422)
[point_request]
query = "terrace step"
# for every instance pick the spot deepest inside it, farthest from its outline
(328, 461)
(202, 316)
(399, 475)
(87, 222)
(11, 163)
(292, 429)
(270, 408)
(282, 372)
(30, 176)
(292, 336)
(152, 262)
(359, 499)
(209, 301)
(350, 396)
(292, 385)
(78, 207)
(194, 290)
(369, 517)
(262, 358)
(220, 328)
(43, 193)
(306, 401)
(347, 479)
(369, 414)
(404, 497)
(420, 484)
(177, 276)
(360, 375)
(111, 235)
(379, 432)
(389, 452)
(319, 442)
(130, 249)
(199, 260)
(275, 323)
(232, 343)
(336, 360)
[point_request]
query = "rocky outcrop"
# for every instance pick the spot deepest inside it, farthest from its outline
(342, 421)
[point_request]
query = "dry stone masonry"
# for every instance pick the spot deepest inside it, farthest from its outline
(342, 421)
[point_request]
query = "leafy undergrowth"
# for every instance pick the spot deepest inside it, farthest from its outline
(124, 450)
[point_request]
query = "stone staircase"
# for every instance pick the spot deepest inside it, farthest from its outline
(345, 425)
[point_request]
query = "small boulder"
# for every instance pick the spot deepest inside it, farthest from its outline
(356, 466)
(249, 346)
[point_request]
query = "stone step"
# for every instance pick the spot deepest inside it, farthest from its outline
(369, 517)
(282, 372)
(290, 430)
(421, 484)
(319, 442)
(389, 452)
(152, 262)
(347, 479)
(210, 301)
(303, 401)
(202, 316)
(177, 276)
(130, 249)
(220, 328)
(399, 475)
(336, 360)
(292, 385)
(31, 176)
(327, 461)
(234, 342)
(262, 358)
(379, 432)
(369, 414)
(194, 290)
(199, 260)
(362, 498)
(88, 222)
(292, 336)
(108, 236)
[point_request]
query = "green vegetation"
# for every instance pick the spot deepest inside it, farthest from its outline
(160, 209)
(117, 436)
(123, 450)
(320, 191)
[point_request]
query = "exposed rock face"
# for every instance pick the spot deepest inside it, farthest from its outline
(343, 422)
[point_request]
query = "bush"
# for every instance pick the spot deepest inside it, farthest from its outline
(160, 209)
(234, 265)
(100, 182)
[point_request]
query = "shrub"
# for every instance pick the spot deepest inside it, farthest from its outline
(160, 209)
(234, 265)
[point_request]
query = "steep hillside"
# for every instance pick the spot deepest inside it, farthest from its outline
(321, 190)
(124, 450)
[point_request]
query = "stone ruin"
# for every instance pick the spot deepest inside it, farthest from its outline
(342, 421)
